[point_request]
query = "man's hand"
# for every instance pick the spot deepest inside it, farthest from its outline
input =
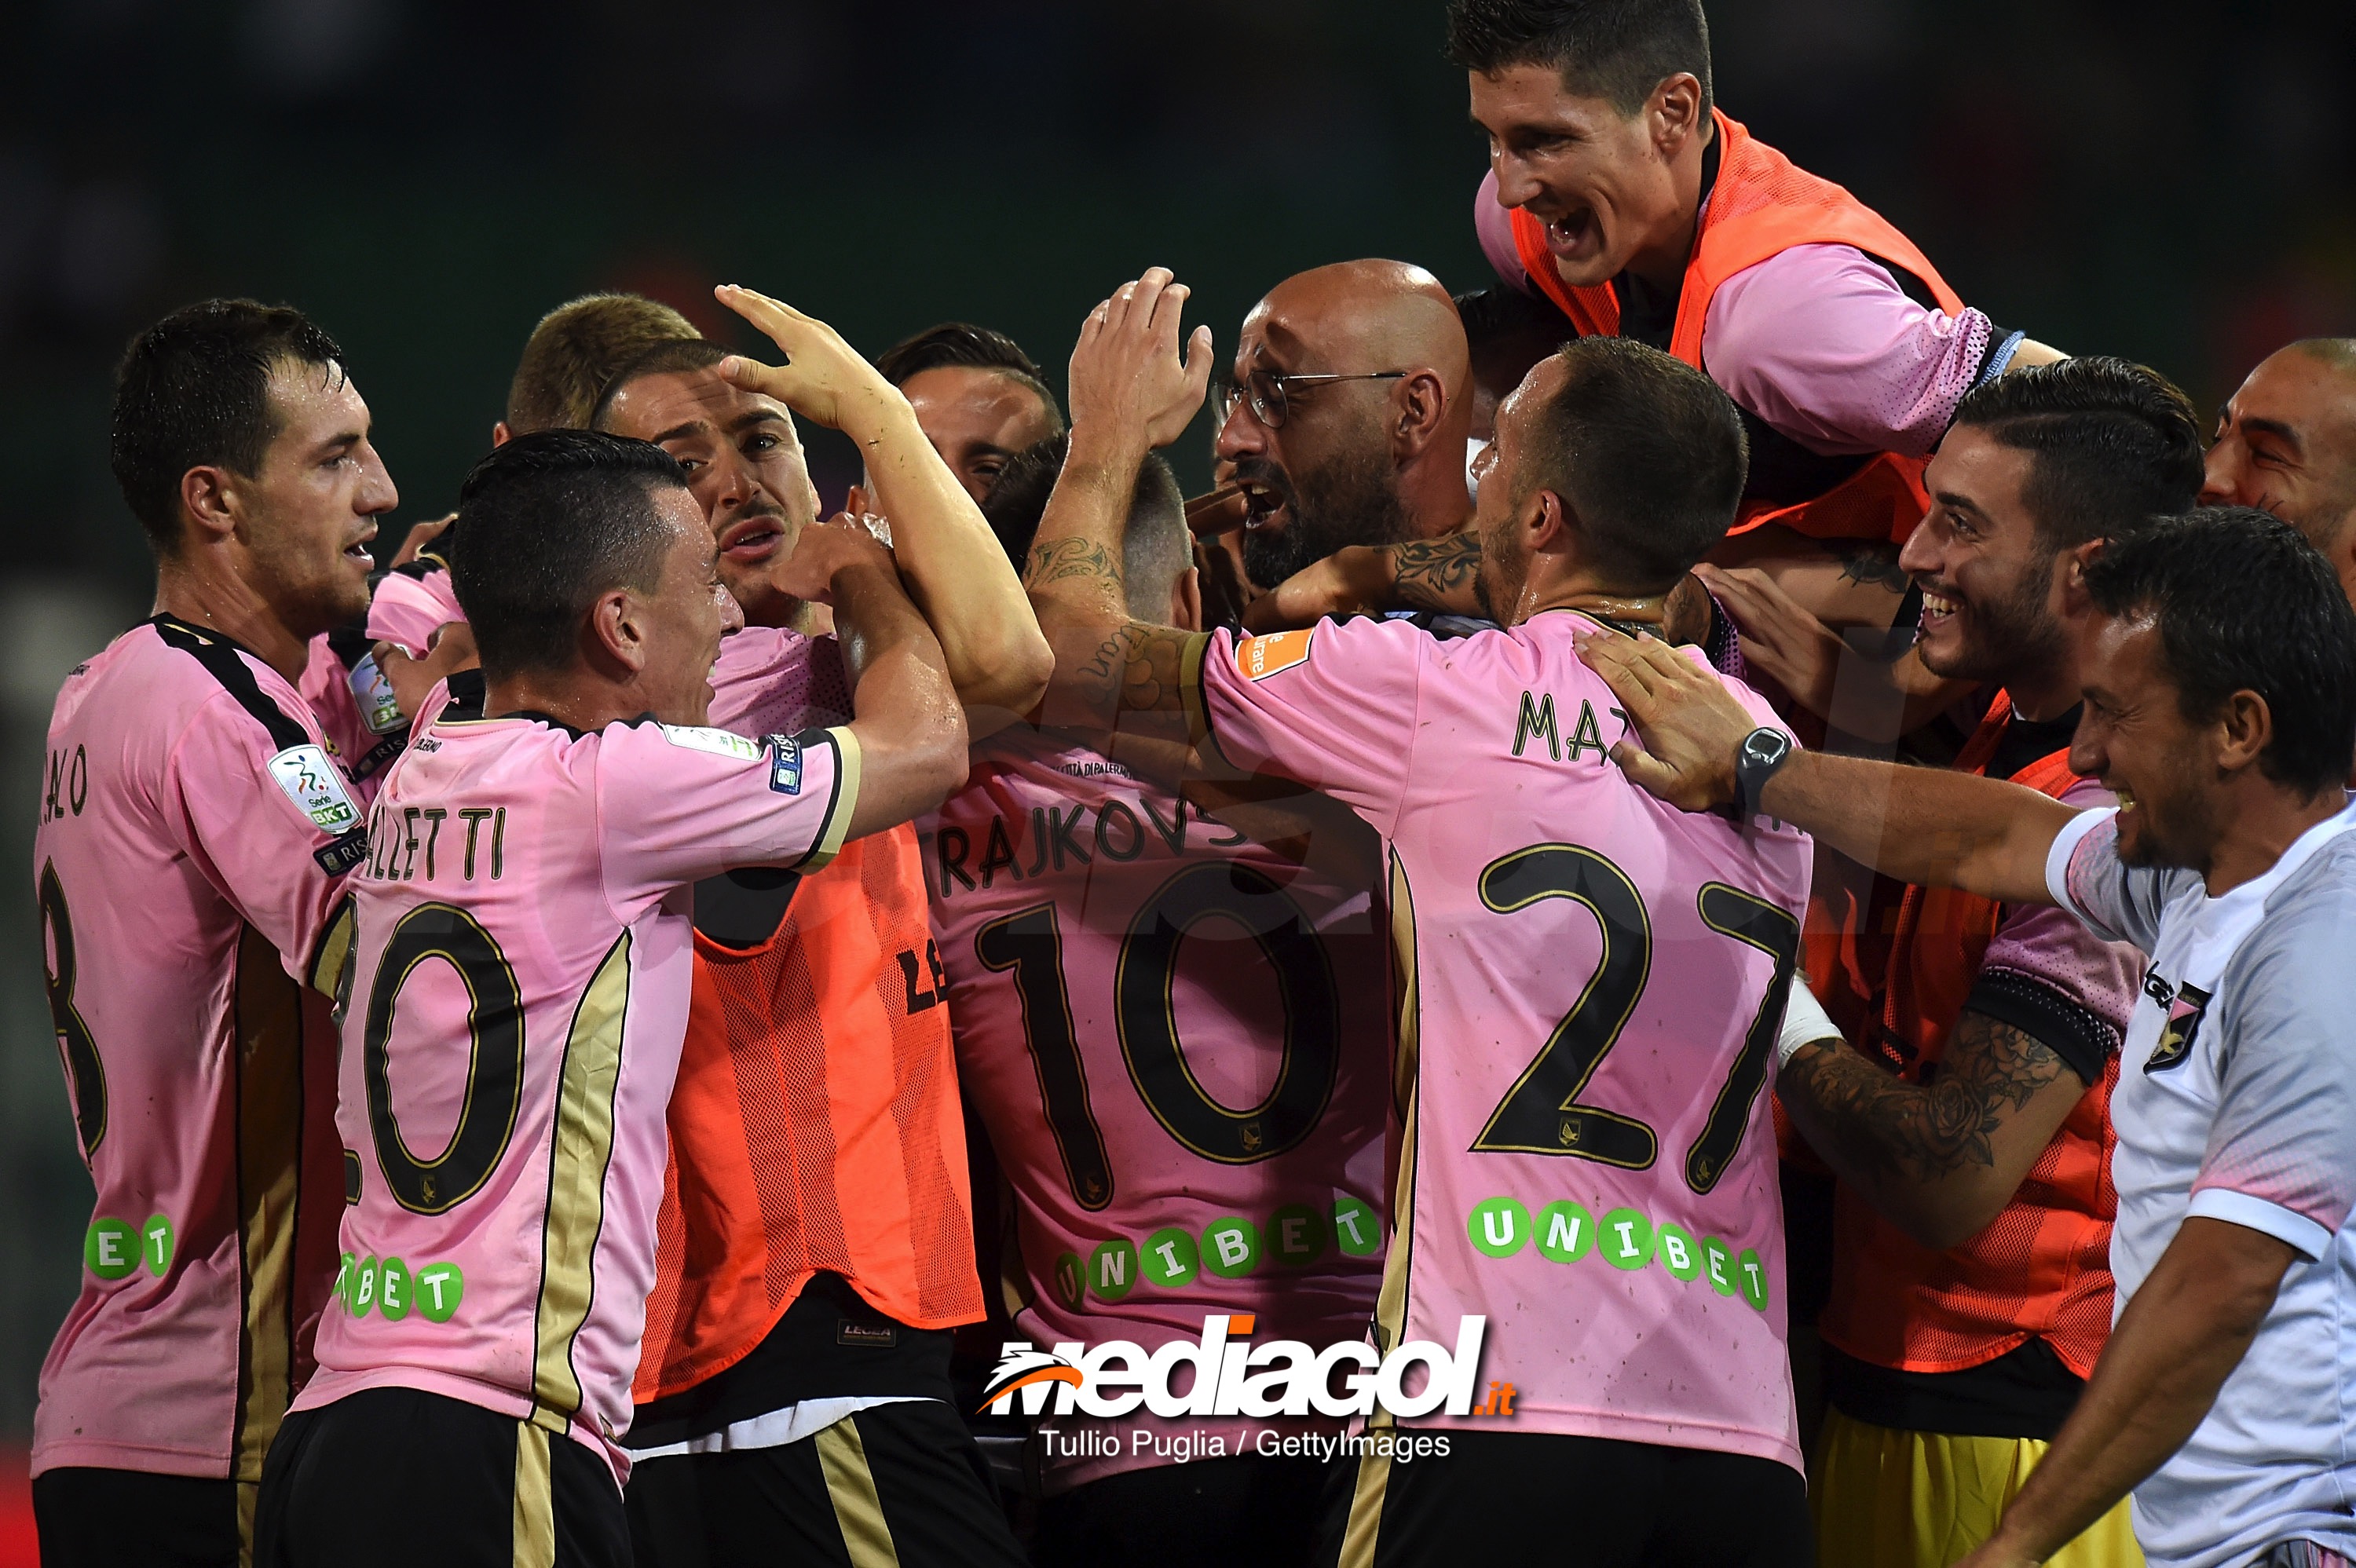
(421, 535)
(1126, 375)
(412, 680)
(1799, 651)
(1690, 725)
(823, 551)
(823, 377)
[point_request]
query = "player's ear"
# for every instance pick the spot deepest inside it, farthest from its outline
(1186, 601)
(500, 433)
(1547, 521)
(1418, 409)
(2242, 729)
(614, 634)
(209, 498)
(2069, 587)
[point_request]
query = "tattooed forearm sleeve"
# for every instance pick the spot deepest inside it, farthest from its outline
(1439, 574)
(1935, 1156)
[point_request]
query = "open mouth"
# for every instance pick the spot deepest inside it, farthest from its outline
(357, 552)
(1938, 609)
(752, 539)
(1575, 233)
(1263, 503)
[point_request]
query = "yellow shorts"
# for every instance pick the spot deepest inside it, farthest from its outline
(1885, 1498)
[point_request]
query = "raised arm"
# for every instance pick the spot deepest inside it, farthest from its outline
(910, 728)
(1918, 825)
(955, 572)
(1130, 392)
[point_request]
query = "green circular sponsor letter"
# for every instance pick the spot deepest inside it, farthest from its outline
(1296, 1235)
(1627, 1239)
(1717, 1265)
(156, 1245)
(110, 1249)
(1566, 1231)
(1357, 1229)
(1071, 1284)
(1499, 1226)
(364, 1283)
(1674, 1245)
(1170, 1259)
(1751, 1277)
(1231, 1246)
(437, 1289)
(395, 1291)
(1112, 1269)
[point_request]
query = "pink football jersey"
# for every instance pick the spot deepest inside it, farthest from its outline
(411, 603)
(191, 852)
(1180, 1042)
(519, 995)
(1597, 981)
(771, 681)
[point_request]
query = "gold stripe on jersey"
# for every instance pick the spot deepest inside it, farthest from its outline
(578, 1155)
(1363, 1534)
(267, 1009)
(535, 1501)
(846, 801)
(1190, 688)
(1390, 1300)
(851, 1487)
(331, 966)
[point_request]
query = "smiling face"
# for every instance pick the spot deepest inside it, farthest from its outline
(2287, 443)
(744, 467)
(683, 619)
(1602, 182)
(1986, 579)
(306, 516)
(1505, 505)
(2133, 737)
(977, 420)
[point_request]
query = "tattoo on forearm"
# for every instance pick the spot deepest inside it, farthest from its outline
(1927, 1130)
(1871, 563)
(1136, 669)
(1054, 559)
(1438, 574)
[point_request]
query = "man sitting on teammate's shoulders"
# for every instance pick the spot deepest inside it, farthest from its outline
(521, 986)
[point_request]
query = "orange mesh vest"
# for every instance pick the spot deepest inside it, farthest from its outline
(1761, 206)
(815, 1125)
(2043, 1266)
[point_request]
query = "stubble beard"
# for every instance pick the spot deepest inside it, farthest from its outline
(1353, 500)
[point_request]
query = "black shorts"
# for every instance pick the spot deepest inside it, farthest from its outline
(391, 1477)
(1580, 1502)
(898, 1483)
(91, 1517)
(1238, 1512)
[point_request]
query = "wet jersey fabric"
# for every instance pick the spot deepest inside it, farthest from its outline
(411, 603)
(1179, 1041)
(193, 840)
(1593, 983)
(2237, 1101)
(816, 1121)
(520, 986)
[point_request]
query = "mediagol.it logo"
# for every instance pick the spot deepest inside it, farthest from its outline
(1234, 1377)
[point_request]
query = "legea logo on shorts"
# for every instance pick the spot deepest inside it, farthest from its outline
(1234, 1377)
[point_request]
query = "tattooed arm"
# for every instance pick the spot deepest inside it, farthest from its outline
(1941, 1159)
(1441, 574)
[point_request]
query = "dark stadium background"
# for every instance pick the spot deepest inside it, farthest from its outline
(2163, 180)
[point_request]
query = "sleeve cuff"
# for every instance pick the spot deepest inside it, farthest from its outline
(845, 802)
(2065, 845)
(2267, 1218)
(2000, 357)
(2081, 1040)
(1190, 687)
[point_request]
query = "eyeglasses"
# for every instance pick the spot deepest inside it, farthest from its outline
(1268, 395)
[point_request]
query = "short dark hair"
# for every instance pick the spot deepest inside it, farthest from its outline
(662, 360)
(1615, 49)
(2244, 604)
(1649, 454)
(553, 519)
(977, 347)
(2114, 444)
(1157, 547)
(575, 351)
(194, 391)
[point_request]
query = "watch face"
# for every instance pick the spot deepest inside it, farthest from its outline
(1766, 745)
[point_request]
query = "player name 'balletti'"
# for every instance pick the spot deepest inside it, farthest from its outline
(1233, 1377)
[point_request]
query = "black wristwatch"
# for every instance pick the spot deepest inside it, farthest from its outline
(1764, 752)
